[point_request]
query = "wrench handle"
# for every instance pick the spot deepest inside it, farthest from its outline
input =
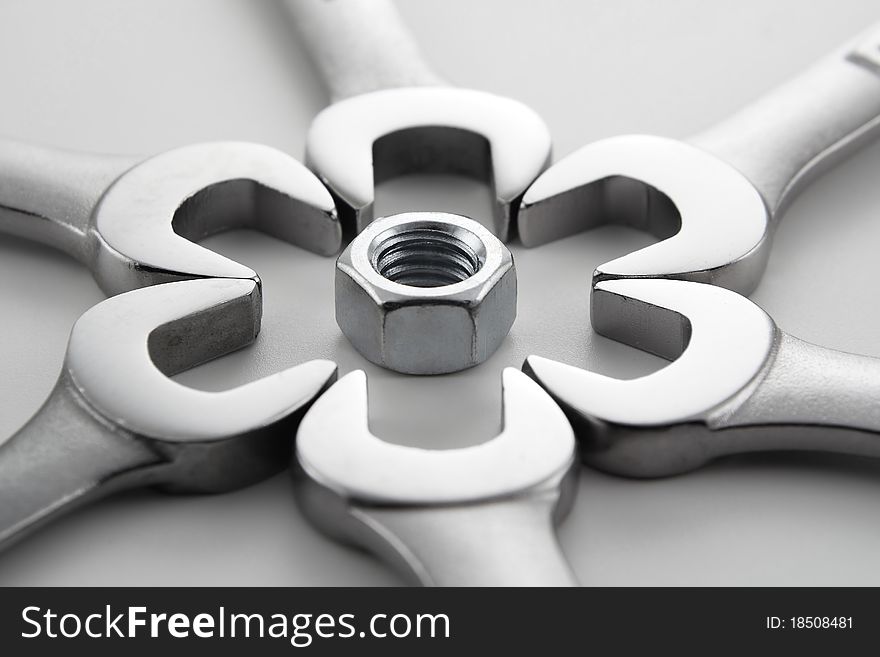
(48, 195)
(503, 543)
(62, 458)
(811, 398)
(785, 139)
(360, 46)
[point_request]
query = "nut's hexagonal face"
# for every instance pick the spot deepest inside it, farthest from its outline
(425, 293)
(428, 338)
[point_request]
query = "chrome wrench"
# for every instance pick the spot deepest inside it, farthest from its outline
(736, 384)
(114, 420)
(130, 220)
(391, 115)
(476, 516)
(716, 199)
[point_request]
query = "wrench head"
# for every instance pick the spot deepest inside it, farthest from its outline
(362, 141)
(654, 425)
(143, 226)
(122, 351)
(336, 449)
(344, 473)
(713, 224)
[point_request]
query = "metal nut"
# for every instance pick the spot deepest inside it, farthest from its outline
(425, 292)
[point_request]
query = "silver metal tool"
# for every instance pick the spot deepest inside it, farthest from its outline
(114, 420)
(715, 200)
(476, 516)
(737, 384)
(392, 115)
(130, 221)
(425, 292)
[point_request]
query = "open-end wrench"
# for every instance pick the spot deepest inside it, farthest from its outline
(737, 384)
(392, 115)
(115, 420)
(476, 516)
(715, 200)
(131, 221)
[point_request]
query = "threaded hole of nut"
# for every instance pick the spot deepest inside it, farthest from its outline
(425, 257)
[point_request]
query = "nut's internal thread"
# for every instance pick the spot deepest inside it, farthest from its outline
(425, 257)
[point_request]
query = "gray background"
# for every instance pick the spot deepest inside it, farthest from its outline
(142, 77)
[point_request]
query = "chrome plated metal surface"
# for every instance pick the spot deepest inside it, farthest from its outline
(115, 420)
(131, 221)
(426, 292)
(736, 384)
(715, 200)
(474, 516)
(392, 115)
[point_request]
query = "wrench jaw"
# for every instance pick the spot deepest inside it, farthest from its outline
(623, 449)
(397, 502)
(737, 384)
(713, 224)
(122, 351)
(232, 462)
(644, 452)
(143, 229)
(665, 423)
(336, 448)
(361, 141)
(115, 421)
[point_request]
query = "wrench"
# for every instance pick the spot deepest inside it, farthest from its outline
(737, 384)
(715, 200)
(115, 421)
(130, 222)
(391, 115)
(477, 516)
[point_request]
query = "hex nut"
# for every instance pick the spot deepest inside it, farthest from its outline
(425, 292)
